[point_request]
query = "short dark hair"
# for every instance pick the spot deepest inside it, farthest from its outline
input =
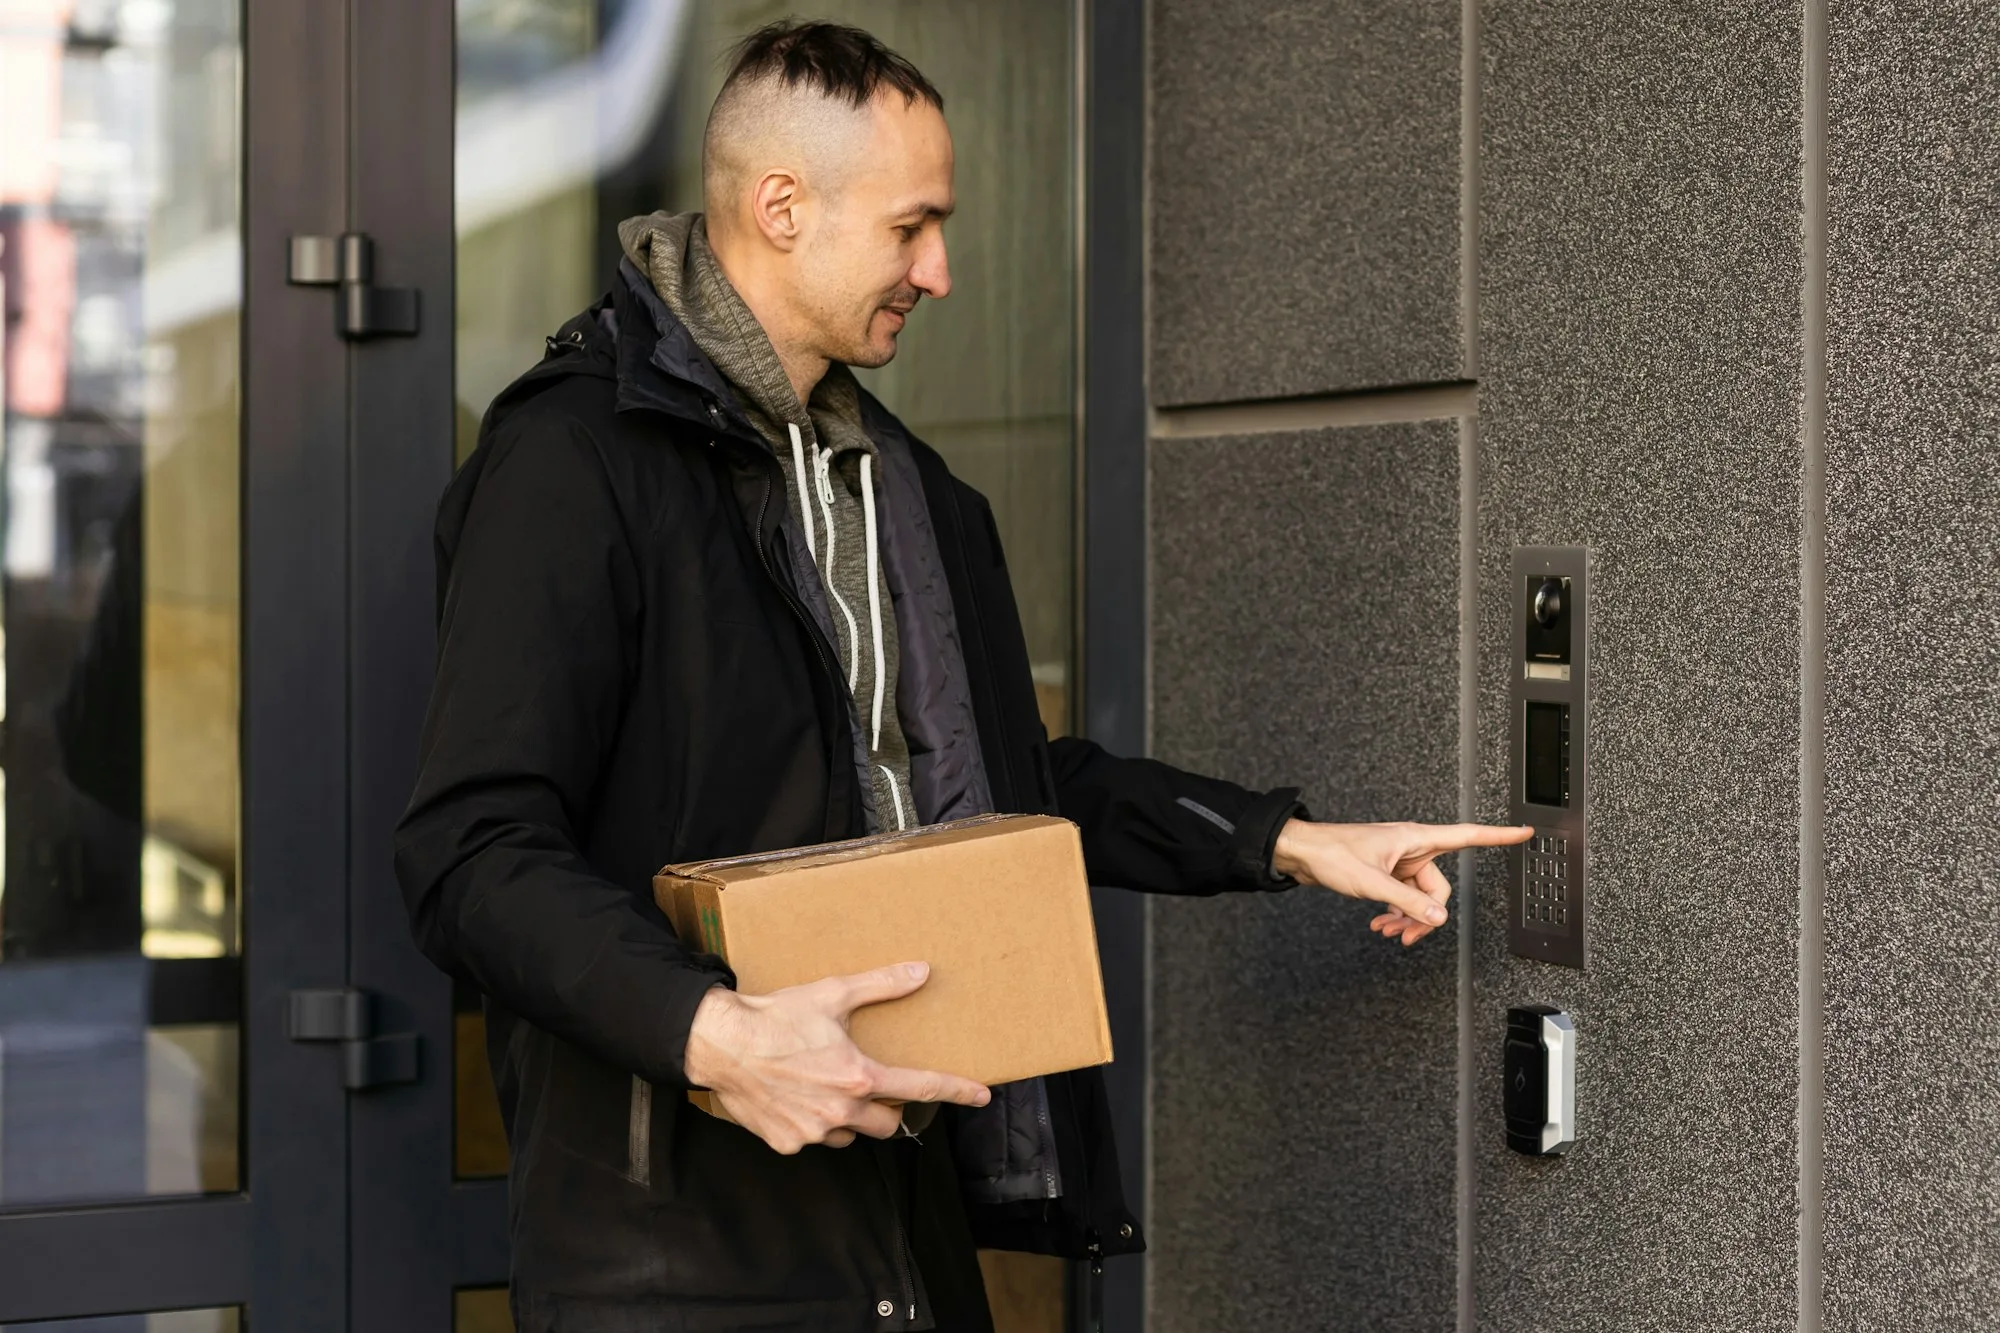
(836, 60)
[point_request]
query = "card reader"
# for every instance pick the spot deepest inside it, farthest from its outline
(1540, 1070)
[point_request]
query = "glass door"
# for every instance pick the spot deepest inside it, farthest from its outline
(172, 625)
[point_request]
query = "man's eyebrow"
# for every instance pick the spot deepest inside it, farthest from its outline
(924, 212)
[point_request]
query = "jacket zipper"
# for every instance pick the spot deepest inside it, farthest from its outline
(1093, 1243)
(903, 1265)
(791, 598)
(904, 1262)
(1048, 1136)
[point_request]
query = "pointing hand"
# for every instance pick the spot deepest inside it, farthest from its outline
(1392, 864)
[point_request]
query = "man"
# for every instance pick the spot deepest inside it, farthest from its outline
(701, 595)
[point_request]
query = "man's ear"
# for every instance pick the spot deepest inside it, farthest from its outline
(775, 206)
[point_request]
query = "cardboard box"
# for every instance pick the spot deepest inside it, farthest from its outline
(998, 906)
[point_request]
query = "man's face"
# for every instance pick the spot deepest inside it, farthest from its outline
(877, 246)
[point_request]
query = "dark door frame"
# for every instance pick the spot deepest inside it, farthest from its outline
(1114, 552)
(278, 1246)
(416, 1233)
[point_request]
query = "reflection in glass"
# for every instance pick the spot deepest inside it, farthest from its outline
(479, 1145)
(574, 114)
(227, 1320)
(120, 259)
(481, 1310)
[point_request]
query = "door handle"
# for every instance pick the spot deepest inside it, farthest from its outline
(347, 262)
(348, 1017)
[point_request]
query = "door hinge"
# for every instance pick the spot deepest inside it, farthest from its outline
(348, 1017)
(347, 262)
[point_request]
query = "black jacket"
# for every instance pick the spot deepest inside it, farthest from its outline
(627, 677)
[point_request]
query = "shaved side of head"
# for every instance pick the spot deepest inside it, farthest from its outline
(763, 123)
(798, 97)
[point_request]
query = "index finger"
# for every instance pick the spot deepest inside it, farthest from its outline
(925, 1085)
(1438, 838)
(879, 986)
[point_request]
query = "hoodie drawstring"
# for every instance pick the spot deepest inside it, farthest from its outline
(799, 466)
(874, 595)
(875, 625)
(820, 487)
(823, 492)
(896, 795)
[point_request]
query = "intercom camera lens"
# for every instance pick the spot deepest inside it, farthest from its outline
(1548, 602)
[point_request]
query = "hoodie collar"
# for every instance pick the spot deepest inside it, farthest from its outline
(695, 303)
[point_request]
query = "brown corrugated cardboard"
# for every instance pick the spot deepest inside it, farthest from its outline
(998, 906)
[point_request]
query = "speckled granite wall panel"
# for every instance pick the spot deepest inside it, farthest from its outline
(1640, 395)
(1305, 621)
(1304, 196)
(1913, 667)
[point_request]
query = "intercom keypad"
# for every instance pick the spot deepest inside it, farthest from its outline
(1545, 883)
(1545, 902)
(1549, 763)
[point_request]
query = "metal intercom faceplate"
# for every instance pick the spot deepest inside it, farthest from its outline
(1549, 762)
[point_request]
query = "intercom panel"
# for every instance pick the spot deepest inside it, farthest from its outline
(1549, 759)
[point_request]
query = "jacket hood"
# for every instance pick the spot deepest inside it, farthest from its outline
(657, 245)
(630, 337)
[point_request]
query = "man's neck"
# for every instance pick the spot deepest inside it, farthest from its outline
(758, 283)
(804, 371)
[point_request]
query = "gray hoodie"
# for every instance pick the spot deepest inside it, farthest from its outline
(831, 469)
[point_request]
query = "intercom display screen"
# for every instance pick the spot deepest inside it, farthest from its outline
(1548, 754)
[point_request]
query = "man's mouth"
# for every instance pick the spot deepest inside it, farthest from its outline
(901, 309)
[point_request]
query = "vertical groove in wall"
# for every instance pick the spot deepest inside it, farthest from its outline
(1812, 683)
(1144, 314)
(1150, 1189)
(1468, 631)
(1468, 645)
(1468, 189)
(1080, 115)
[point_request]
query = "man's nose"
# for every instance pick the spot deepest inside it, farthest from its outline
(931, 274)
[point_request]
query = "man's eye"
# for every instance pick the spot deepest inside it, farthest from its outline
(910, 233)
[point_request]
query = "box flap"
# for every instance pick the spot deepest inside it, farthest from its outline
(725, 870)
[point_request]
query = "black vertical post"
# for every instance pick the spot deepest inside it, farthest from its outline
(406, 1220)
(294, 627)
(1114, 552)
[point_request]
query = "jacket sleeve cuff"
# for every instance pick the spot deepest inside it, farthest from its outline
(1256, 840)
(677, 1016)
